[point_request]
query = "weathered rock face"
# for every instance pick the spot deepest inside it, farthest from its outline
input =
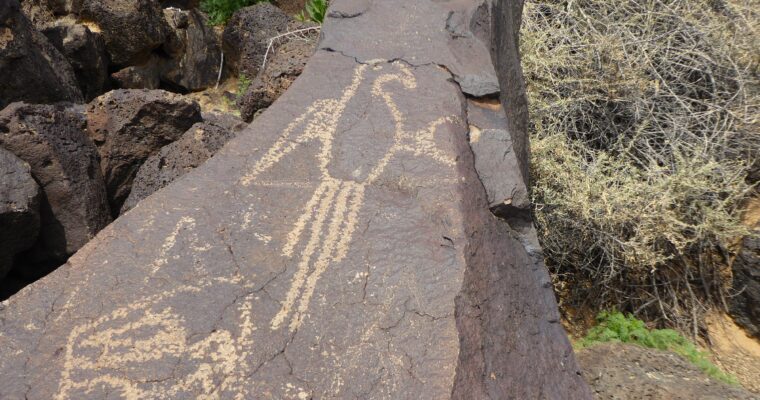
(31, 68)
(64, 162)
(195, 146)
(247, 35)
(745, 307)
(128, 126)
(19, 209)
(194, 50)
(86, 52)
(144, 76)
(624, 371)
(283, 66)
(339, 247)
(131, 28)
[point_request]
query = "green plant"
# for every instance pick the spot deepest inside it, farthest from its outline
(219, 11)
(617, 327)
(243, 84)
(644, 124)
(314, 10)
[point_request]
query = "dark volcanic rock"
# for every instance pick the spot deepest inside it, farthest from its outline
(32, 70)
(283, 66)
(19, 209)
(194, 50)
(86, 52)
(745, 307)
(195, 146)
(339, 247)
(290, 7)
(128, 126)
(145, 76)
(131, 28)
(64, 162)
(629, 372)
(247, 35)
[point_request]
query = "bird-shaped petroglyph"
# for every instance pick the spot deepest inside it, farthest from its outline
(330, 216)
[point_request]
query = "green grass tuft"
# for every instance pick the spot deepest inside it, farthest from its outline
(314, 10)
(219, 11)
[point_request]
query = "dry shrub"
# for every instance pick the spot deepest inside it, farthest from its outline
(645, 132)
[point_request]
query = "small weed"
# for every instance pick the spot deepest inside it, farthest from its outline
(219, 11)
(315, 11)
(617, 327)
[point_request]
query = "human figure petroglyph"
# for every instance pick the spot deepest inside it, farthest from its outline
(330, 216)
(150, 334)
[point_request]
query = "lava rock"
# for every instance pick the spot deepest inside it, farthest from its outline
(63, 160)
(85, 51)
(247, 35)
(128, 126)
(19, 209)
(745, 306)
(194, 50)
(283, 66)
(145, 76)
(131, 28)
(195, 146)
(32, 70)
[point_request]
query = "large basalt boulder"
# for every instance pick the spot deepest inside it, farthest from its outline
(32, 70)
(745, 306)
(283, 66)
(19, 209)
(195, 146)
(128, 126)
(247, 35)
(131, 28)
(85, 51)
(194, 51)
(143, 76)
(64, 162)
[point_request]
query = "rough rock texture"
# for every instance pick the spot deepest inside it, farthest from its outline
(64, 162)
(745, 307)
(128, 126)
(32, 70)
(629, 372)
(195, 146)
(19, 209)
(283, 66)
(144, 76)
(290, 7)
(130, 28)
(495, 160)
(505, 46)
(85, 51)
(340, 247)
(194, 50)
(247, 35)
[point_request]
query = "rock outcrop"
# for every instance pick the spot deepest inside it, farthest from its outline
(64, 162)
(85, 51)
(745, 305)
(339, 247)
(195, 146)
(128, 126)
(247, 34)
(284, 64)
(195, 54)
(31, 68)
(19, 209)
(132, 29)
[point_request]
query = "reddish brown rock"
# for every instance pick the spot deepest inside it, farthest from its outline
(32, 70)
(64, 162)
(19, 209)
(128, 126)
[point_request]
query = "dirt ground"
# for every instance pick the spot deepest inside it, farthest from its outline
(734, 351)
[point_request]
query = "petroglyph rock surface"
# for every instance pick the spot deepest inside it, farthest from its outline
(339, 247)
